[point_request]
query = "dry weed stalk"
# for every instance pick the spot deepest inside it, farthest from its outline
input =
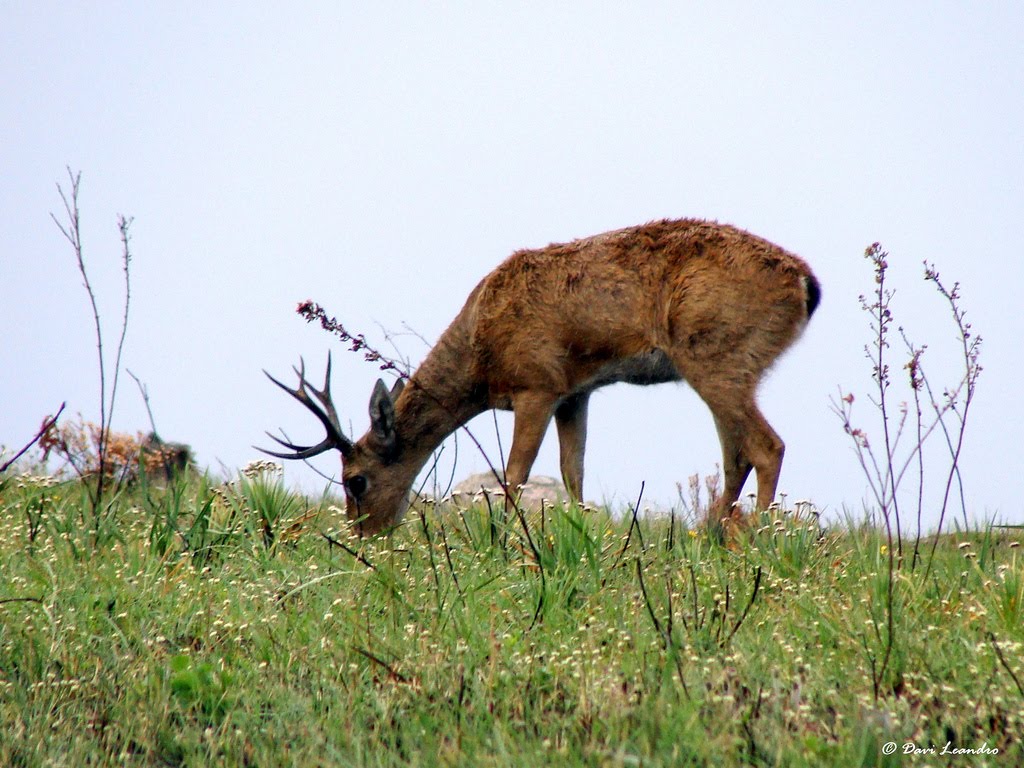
(71, 229)
(887, 468)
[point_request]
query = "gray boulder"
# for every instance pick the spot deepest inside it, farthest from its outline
(537, 490)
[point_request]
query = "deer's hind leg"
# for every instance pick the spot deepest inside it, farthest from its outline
(748, 441)
(723, 349)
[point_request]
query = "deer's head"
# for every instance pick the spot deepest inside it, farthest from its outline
(375, 480)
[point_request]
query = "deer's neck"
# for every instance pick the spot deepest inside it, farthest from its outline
(442, 395)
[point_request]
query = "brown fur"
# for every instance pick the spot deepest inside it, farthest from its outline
(670, 300)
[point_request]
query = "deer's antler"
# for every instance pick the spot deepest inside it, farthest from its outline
(327, 415)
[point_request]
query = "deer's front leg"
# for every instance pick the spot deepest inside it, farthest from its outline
(571, 421)
(532, 414)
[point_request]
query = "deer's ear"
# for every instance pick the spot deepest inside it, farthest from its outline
(382, 417)
(396, 389)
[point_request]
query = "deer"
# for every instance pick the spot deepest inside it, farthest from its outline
(686, 300)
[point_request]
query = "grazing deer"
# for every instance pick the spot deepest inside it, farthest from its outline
(666, 301)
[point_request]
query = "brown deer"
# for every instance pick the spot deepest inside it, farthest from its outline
(666, 301)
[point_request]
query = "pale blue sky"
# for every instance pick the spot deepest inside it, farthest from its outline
(382, 161)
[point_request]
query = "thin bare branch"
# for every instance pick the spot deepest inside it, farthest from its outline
(1004, 663)
(48, 424)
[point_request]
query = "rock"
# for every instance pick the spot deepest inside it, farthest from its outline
(537, 489)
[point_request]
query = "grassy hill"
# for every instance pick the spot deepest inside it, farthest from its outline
(212, 623)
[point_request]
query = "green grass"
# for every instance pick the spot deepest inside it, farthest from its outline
(215, 624)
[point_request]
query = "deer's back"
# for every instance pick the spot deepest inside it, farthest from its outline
(612, 307)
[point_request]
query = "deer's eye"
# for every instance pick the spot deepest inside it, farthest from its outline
(356, 485)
